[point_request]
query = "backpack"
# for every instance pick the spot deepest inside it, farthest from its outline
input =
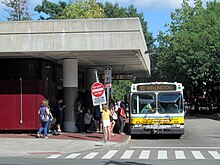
(45, 116)
(115, 116)
(121, 111)
(97, 112)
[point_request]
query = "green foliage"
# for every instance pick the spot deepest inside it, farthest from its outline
(83, 9)
(80, 9)
(17, 10)
(52, 10)
(120, 87)
(189, 51)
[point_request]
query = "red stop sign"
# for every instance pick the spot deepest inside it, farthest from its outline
(97, 89)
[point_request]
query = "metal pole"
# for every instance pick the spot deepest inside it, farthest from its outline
(21, 119)
(104, 133)
(96, 76)
(108, 97)
(97, 80)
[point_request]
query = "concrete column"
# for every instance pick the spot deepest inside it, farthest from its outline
(70, 88)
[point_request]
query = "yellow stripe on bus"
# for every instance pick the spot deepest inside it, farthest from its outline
(179, 120)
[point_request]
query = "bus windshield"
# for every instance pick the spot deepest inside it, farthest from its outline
(144, 103)
(166, 102)
(170, 103)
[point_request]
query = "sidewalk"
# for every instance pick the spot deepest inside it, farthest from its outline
(25, 144)
(96, 136)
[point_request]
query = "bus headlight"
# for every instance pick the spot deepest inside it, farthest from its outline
(137, 125)
(176, 125)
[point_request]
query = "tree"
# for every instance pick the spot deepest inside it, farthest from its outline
(80, 9)
(83, 9)
(17, 10)
(50, 9)
(121, 87)
(190, 49)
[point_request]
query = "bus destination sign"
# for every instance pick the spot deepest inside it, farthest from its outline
(156, 87)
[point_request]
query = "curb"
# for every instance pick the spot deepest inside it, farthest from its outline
(120, 144)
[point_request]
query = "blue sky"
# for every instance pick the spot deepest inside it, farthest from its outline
(156, 12)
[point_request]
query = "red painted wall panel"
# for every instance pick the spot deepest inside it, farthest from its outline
(13, 116)
(9, 104)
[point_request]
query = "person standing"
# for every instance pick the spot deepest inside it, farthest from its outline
(44, 113)
(98, 118)
(59, 113)
(112, 119)
(79, 117)
(117, 105)
(88, 121)
(121, 118)
(50, 121)
(106, 122)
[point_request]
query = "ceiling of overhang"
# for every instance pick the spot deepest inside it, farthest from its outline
(122, 62)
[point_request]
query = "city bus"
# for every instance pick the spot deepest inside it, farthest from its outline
(157, 108)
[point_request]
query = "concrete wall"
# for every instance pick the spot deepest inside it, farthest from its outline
(67, 35)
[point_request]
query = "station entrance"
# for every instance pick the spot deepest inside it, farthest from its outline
(57, 59)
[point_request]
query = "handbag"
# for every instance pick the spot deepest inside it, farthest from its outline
(115, 116)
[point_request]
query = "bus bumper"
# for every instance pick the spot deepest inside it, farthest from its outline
(170, 131)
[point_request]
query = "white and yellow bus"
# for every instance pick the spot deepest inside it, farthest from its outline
(156, 108)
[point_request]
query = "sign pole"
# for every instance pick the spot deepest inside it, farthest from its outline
(96, 76)
(97, 80)
(108, 97)
(108, 81)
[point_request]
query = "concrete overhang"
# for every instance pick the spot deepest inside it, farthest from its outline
(95, 43)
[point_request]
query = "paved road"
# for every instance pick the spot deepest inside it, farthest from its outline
(200, 141)
(33, 161)
(199, 132)
(135, 153)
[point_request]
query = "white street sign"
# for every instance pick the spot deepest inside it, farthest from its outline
(108, 77)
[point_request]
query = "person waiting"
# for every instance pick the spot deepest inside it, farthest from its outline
(122, 117)
(88, 121)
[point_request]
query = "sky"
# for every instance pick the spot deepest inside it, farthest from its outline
(156, 12)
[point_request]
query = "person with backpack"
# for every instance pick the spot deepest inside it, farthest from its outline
(89, 121)
(121, 118)
(98, 119)
(44, 113)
